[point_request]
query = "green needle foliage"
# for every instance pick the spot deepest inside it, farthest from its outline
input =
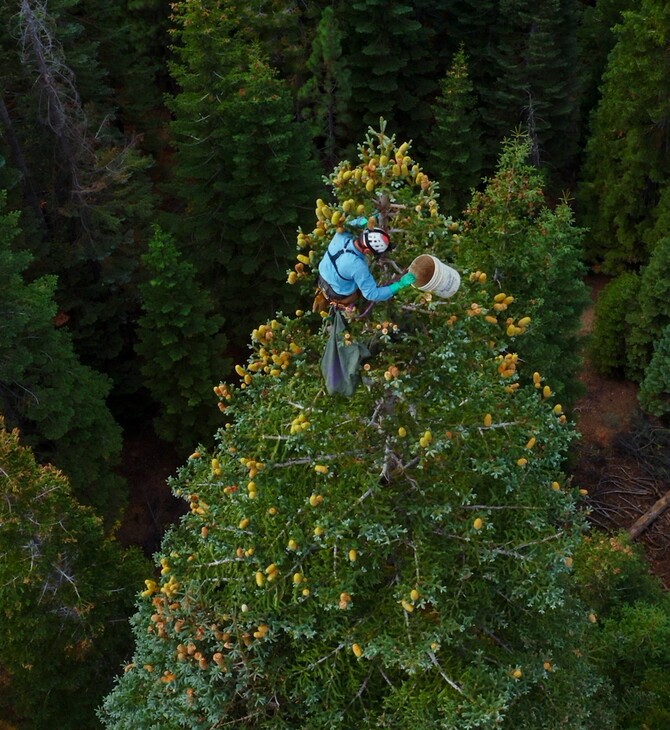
(57, 402)
(398, 558)
(456, 138)
(89, 178)
(596, 38)
(655, 387)
(523, 65)
(614, 312)
(243, 163)
(391, 64)
(534, 253)
(631, 628)
(626, 161)
(650, 315)
(65, 610)
(181, 343)
(327, 91)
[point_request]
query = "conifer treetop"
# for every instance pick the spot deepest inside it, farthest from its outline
(400, 556)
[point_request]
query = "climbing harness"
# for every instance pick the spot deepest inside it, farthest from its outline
(325, 296)
(335, 256)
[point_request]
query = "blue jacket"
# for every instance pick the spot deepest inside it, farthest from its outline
(350, 271)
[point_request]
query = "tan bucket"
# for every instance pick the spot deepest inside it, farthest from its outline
(434, 276)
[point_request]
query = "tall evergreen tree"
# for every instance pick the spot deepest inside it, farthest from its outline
(655, 386)
(65, 592)
(327, 93)
(596, 38)
(455, 155)
(523, 64)
(627, 161)
(181, 346)
(284, 30)
(133, 44)
(552, 84)
(388, 52)
(398, 558)
(243, 165)
(536, 252)
(649, 314)
(90, 181)
(58, 403)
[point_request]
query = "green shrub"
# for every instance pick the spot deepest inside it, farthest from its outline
(630, 628)
(611, 571)
(607, 346)
(654, 392)
(65, 593)
(652, 314)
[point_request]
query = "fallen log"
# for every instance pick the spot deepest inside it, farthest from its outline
(641, 524)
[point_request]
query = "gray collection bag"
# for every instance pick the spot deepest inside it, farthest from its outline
(341, 362)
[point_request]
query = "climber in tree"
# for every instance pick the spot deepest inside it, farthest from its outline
(344, 273)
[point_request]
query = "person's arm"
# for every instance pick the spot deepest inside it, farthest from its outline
(366, 283)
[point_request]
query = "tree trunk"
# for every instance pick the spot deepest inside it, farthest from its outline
(56, 81)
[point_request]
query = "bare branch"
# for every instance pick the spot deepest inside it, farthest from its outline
(315, 664)
(449, 681)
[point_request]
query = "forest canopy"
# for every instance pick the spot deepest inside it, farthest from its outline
(421, 551)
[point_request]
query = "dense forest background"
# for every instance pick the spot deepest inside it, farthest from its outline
(157, 160)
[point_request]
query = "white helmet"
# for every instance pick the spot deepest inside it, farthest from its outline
(377, 240)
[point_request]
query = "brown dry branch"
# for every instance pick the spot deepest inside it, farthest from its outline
(641, 524)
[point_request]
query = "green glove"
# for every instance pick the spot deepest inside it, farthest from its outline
(362, 221)
(407, 280)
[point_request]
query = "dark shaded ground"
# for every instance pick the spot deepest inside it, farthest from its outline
(147, 462)
(611, 459)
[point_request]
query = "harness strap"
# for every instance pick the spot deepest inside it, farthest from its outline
(334, 256)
